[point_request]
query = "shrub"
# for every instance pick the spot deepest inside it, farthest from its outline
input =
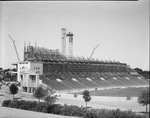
(93, 113)
(50, 99)
(6, 103)
(71, 110)
(40, 93)
(41, 107)
(27, 105)
(67, 110)
(103, 113)
(77, 111)
(14, 104)
(90, 115)
(32, 105)
(54, 108)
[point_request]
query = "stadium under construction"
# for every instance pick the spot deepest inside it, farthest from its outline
(64, 72)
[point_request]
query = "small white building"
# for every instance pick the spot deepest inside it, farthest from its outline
(28, 73)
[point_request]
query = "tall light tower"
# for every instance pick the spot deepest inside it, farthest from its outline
(70, 35)
(63, 41)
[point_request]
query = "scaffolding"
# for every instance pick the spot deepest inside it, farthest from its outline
(63, 41)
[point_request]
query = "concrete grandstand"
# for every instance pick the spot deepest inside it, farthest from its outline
(62, 73)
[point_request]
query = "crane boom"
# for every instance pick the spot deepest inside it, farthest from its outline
(15, 48)
(93, 51)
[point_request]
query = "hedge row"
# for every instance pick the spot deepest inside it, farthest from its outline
(71, 110)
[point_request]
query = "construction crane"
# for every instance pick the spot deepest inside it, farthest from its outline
(15, 48)
(93, 51)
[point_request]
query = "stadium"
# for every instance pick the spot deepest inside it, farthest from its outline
(55, 43)
(66, 73)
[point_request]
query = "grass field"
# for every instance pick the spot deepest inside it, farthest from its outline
(118, 92)
(100, 103)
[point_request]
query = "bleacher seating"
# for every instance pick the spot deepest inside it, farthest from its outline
(85, 80)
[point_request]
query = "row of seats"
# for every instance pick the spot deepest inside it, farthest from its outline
(85, 80)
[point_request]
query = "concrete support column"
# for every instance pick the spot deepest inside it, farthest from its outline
(22, 79)
(18, 77)
(28, 83)
(28, 89)
(31, 84)
(37, 80)
(21, 84)
(31, 89)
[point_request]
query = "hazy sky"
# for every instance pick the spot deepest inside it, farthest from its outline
(121, 29)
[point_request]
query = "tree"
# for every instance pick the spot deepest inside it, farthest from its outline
(86, 96)
(138, 70)
(40, 93)
(50, 98)
(143, 99)
(13, 89)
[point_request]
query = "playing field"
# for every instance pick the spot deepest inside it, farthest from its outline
(118, 92)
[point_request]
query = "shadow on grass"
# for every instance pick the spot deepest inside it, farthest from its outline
(1, 94)
(144, 113)
(17, 98)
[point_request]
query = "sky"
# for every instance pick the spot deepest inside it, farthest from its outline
(121, 29)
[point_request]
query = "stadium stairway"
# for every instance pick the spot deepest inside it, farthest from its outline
(52, 82)
(74, 84)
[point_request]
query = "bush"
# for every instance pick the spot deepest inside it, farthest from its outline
(90, 115)
(40, 93)
(50, 99)
(71, 110)
(77, 111)
(41, 107)
(14, 104)
(103, 113)
(54, 108)
(27, 105)
(32, 105)
(6, 103)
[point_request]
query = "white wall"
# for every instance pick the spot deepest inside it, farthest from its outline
(22, 67)
(28, 68)
(37, 67)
